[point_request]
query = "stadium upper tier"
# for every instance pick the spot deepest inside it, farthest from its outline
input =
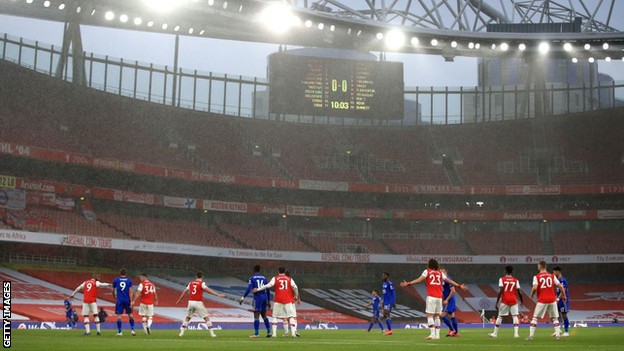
(37, 110)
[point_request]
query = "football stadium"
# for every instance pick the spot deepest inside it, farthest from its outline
(314, 174)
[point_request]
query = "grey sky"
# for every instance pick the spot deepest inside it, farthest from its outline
(248, 59)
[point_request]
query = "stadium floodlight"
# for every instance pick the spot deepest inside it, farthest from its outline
(240, 8)
(453, 44)
(504, 46)
(150, 23)
(92, 12)
(176, 28)
(605, 46)
(164, 26)
(332, 28)
(434, 42)
(61, 7)
(471, 45)
(591, 60)
(522, 47)
(210, 2)
(78, 9)
(493, 46)
(359, 32)
(622, 59)
(191, 30)
(201, 32)
(109, 15)
(574, 60)
(395, 39)
(414, 41)
(477, 46)
(379, 36)
(138, 21)
(225, 4)
(29, 1)
(587, 46)
(544, 47)
(46, 3)
(308, 24)
(123, 18)
(279, 18)
(320, 26)
(164, 5)
(607, 59)
(567, 47)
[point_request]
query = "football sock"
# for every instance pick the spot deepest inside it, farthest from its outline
(183, 327)
(380, 325)
(557, 327)
(131, 323)
(532, 328)
(87, 327)
(144, 323)
(150, 319)
(431, 324)
(96, 320)
(267, 325)
(285, 322)
(566, 324)
(515, 322)
(436, 320)
(370, 326)
(119, 325)
(209, 325)
(447, 321)
(454, 323)
(256, 326)
(274, 326)
(499, 321)
(293, 326)
(389, 323)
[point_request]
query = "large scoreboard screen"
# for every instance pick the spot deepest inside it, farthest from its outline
(330, 87)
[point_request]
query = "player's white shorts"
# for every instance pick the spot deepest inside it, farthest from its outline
(284, 310)
(542, 308)
(505, 310)
(434, 305)
(89, 308)
(146, 310)
(196, 307)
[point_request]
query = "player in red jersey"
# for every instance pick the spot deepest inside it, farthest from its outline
(509, 290)
(196, 303)
(147, 292)
(544, 284)
(89, 301)
(286, 294)
(434, 278)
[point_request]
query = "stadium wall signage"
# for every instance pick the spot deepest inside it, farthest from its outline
(135, 245)
(190, 175)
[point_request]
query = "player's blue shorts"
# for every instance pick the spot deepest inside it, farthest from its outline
(387, 307)
(69, 314)
(122, 306)
(450, 307)
(563, 307)
(260, 305)
(376, 314)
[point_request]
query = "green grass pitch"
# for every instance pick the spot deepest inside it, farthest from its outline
(471, 339)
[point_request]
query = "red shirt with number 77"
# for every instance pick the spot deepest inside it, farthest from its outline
(510, 286)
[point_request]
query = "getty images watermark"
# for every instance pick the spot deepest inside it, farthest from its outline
(6, 315)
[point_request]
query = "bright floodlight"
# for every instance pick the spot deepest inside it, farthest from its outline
(522, 47)
(138, 21)
(543, 48)
(453, 44)
(504, 46)
(574, 60)
(605, 46)
(61, 6)
(471, 45)
(607, 59)
(477, 46)
(176, 28)
(46, 3)
(320, 26)
(591, 60)
(279, 18)
(414, 41)
(622, 59)
(29, 1)
(332, 28)
(379, 36)
(210, 2)
(395, 39)
(201, 32)
(123, 18)
(150, 23)
(164, 26)
(191, 30)
(164, 5)
(109, 15)
(434, 42)
(587, 46)
(493, 46)
(567, 47)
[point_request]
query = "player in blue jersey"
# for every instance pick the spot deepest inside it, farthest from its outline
(563, 307)
(376, 303)
(261, 301)
(122, 291)
(449, 307)
(389, 300)
(69, 313)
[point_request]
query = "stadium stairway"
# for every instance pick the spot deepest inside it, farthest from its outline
(230, 237)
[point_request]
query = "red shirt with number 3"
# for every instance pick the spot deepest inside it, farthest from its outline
(196, 289)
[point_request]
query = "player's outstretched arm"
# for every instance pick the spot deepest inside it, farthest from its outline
(210, 291)
(249, 288)
(462, 286)
(182, 295)
(79, 288)
(415, 281)
(268, 286)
